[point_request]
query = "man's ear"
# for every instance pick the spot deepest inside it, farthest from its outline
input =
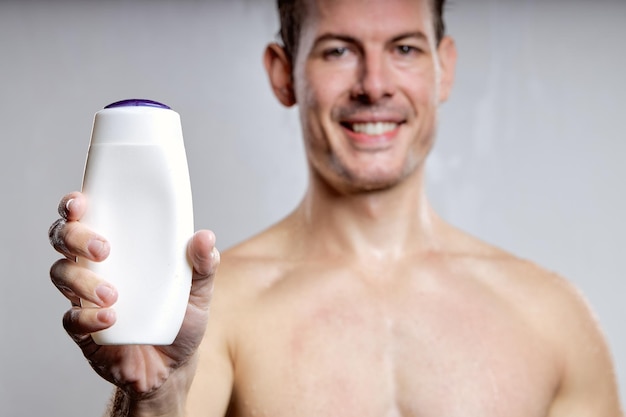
(447, 61)
(278, 68)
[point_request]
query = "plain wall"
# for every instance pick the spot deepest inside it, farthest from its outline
(529, 155)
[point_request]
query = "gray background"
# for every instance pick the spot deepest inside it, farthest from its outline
(530, 152)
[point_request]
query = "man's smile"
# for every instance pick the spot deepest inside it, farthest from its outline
(371, 128)
(371, 133)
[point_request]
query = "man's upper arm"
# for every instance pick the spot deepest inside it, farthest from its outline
(588, 387)
(210, 392)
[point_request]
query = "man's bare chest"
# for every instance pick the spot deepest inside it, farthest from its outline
(407, 351)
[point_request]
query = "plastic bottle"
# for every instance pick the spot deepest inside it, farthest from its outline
(138, 190)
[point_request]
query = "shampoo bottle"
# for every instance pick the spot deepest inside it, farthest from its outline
(138, 191)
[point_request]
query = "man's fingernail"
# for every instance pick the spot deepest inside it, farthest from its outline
(68, 205)
(98, 248)
(106, 316)
(106, 294)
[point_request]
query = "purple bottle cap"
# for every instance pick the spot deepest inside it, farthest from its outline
(137, 102)
(136, 122)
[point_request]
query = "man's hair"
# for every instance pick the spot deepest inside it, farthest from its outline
(293, 12)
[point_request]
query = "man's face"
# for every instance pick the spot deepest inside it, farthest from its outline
(368, 83)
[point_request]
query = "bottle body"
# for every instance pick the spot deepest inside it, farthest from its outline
(139, 199)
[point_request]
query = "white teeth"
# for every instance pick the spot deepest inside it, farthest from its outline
(374, 129)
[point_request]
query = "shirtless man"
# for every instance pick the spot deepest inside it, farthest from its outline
(362, 302)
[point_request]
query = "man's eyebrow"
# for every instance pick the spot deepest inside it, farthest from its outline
(350, 39)
(417, 34)
(335, 37)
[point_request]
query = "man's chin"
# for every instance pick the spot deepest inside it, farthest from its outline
(371, 184)
(353, 180)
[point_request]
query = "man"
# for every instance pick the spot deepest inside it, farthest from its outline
(362, 302)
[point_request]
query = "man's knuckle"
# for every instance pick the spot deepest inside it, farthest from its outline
(62, 208)
(59, 235)
(54, 232)
(70, 320)
(57, 270)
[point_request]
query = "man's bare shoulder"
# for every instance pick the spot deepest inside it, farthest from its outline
(562, 319)
(254, 264)
(532, 287)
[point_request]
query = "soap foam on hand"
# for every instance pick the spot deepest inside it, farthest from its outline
(137, 184)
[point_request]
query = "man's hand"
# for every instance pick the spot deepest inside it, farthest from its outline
(155, 375)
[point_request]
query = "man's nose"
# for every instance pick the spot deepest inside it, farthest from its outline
(375, 79)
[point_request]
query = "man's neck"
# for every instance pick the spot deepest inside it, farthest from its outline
(377, 224)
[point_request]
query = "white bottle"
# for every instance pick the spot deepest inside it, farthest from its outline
(139, 198)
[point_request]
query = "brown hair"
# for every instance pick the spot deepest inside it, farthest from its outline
(292, 13)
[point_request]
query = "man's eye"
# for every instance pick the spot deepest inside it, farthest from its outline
(335, 52)
(407, 50)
